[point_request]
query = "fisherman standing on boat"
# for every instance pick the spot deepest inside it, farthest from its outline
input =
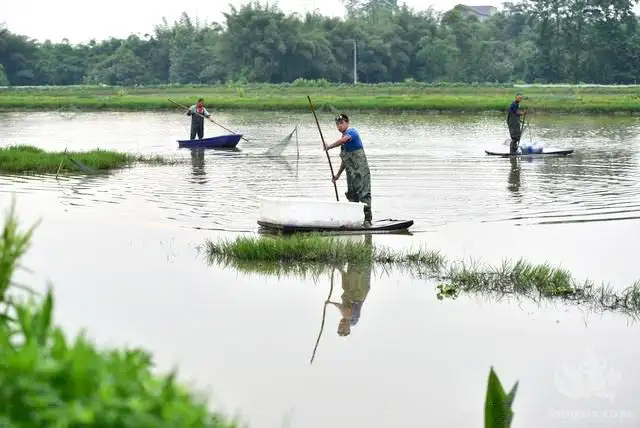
(513, 122)
(354, 161)
(197, 113)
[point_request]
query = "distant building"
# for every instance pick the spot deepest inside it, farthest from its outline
(482, 12)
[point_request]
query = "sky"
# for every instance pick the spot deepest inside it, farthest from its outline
(81, 21)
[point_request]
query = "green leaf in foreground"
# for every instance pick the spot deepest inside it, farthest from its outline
(497, 406)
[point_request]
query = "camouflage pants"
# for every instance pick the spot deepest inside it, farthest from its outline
(358, 179)
(197, 128)
(515, 132)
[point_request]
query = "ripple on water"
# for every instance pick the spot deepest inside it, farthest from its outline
(439, 176)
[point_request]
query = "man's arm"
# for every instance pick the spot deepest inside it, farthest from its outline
(340, 141)
(521, 112)
(337, 176)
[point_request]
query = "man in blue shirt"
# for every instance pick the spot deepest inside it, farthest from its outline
(354, 161)
(513, 122)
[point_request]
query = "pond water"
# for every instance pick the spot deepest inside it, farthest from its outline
(123, 253)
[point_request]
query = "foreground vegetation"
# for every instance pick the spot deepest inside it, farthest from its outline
(328, 97)
(545, 41)
(314, 254)
(21, 158)
(49, 379)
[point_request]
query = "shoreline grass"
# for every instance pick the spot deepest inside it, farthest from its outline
(315, 254)
(30, 159)
(409, 97)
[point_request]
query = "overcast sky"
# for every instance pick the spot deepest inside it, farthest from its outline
(80, 21)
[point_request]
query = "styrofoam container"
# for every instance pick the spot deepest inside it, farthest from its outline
(311, 212)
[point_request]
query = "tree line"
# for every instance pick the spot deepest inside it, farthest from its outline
(545, 41)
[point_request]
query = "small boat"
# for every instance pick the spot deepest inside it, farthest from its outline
(289, 215)
(546, 152)
(230, 140)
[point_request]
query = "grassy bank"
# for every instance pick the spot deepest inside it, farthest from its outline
(348, 97)
(19, 158)
(314, 255)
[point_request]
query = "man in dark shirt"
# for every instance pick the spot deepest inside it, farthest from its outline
(513, 122)
(197, 113)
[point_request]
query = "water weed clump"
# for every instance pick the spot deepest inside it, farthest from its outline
(313, 248)
(536, 282)
(304, 253)
(48, 379)
(23, 158)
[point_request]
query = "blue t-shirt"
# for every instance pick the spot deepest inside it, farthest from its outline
(355, 142)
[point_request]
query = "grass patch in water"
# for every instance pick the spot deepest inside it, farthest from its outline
(23, 158)
(304, 254)
(286, 96)
(536, 282)
(313, 248)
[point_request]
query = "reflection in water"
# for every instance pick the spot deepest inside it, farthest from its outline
(197, 166)
(356, 283)
(514, 175)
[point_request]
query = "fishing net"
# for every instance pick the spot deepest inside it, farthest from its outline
(280, 147)
(77, 164)
(82, 167)
(68, 112)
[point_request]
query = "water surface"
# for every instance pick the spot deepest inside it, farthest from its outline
(121, 251)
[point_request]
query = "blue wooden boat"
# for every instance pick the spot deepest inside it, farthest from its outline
(230, 140)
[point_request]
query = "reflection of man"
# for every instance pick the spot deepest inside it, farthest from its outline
(514, 174)
(356, 282)
(197, 161)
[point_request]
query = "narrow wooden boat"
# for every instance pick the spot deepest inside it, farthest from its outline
(230, 140)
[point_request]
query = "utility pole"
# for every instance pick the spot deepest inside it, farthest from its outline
(355, 63)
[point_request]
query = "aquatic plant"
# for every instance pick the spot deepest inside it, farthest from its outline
(534, 281)
(23, 158)
(50, 380)
(315, 254)
(312, 248)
